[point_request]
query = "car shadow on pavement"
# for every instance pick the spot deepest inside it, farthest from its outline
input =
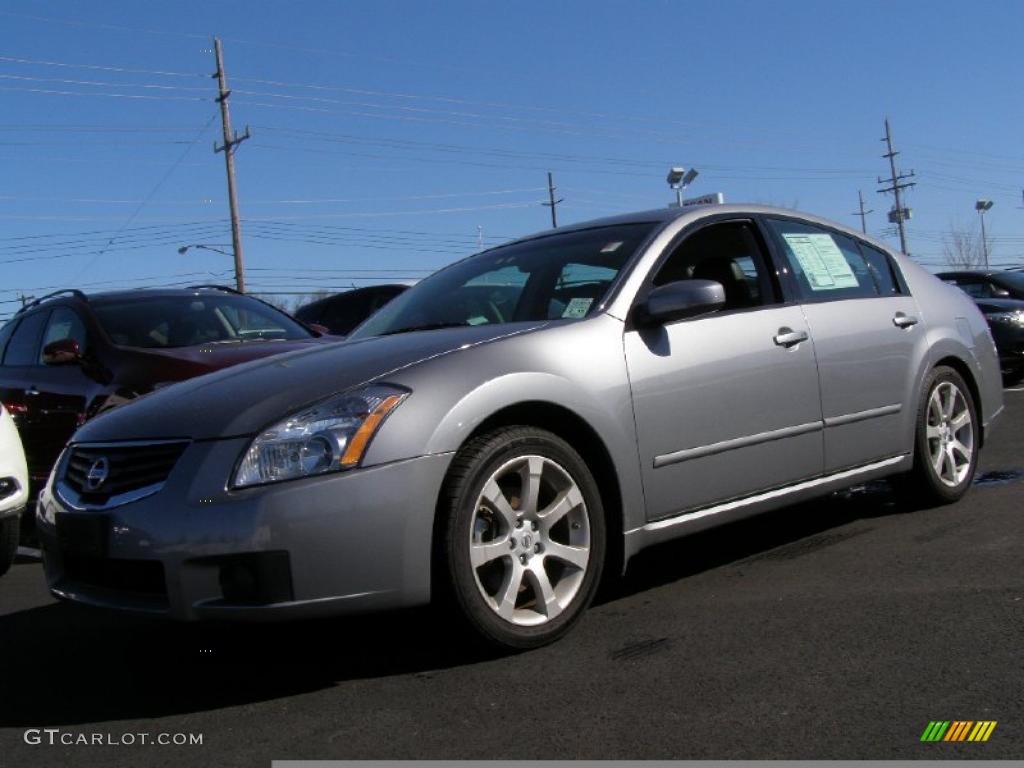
(65, 665)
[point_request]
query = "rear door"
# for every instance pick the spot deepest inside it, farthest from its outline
(865, 327)
(726, 405)
(62, 390)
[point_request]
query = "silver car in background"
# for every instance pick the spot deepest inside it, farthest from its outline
(531, 416)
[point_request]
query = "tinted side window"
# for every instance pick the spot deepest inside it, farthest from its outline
(23, 348)
(882, 270)
(975, 288)
(64, 324)
(5, 335)
(728, 253)
(827, 266)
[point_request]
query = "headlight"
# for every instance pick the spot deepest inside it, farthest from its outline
(330, 436)
(1011, 318)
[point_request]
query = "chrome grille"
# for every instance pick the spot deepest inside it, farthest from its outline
(99, 474)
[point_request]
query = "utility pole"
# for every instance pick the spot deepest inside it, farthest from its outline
(862, 213)
(896, 183)
(231, 141)
(553, 202)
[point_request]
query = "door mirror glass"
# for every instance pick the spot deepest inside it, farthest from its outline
(62, 352)
(681, 299)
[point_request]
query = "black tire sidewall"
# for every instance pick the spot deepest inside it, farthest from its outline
(486, 456)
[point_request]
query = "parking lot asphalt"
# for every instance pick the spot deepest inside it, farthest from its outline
(836, 629)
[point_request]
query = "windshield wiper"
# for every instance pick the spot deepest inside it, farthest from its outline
(425, 327)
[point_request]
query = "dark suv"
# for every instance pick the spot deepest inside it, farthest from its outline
(67, 356)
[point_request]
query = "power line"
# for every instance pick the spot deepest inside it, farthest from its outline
(146, 97)
(152, 192)
(69, 81)
(105, 68)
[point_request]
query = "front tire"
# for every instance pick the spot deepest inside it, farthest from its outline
(946, 441)
(524, 537)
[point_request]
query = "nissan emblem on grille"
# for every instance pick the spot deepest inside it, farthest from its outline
(97, 474)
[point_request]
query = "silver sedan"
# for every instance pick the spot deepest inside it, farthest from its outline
(527, 419)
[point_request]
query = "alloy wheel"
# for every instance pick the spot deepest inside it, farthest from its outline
(530, 540)
(950, 433)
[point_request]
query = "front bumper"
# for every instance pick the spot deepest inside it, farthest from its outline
(348, 542)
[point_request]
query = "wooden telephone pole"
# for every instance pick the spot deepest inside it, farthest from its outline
(231, 141)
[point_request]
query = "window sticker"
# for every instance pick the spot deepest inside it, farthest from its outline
(821, 260)
(577, 307)
(476, 320)
(612, 247)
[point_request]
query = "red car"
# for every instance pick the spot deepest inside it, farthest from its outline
(67, 356)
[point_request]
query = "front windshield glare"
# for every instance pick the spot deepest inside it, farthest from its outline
(547, 278)
(185, 321)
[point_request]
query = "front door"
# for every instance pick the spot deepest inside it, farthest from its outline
(726, 405)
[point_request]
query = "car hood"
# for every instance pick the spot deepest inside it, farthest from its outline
(244, 399)
(988, 306)
(212, 357)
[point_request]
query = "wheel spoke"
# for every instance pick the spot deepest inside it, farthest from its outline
(957, 447)
(565, 502)
(575, 556)
(961, 421)
(938, 459)
(481, 554)
(496, 498)
(543, 591)
(932, 433)
(509, 592)
(531, 474)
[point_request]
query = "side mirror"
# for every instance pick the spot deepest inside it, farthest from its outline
(62, 352)
(681, 299)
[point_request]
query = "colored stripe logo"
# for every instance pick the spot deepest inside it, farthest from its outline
(958, 730)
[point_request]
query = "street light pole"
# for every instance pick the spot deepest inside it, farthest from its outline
(981, 206)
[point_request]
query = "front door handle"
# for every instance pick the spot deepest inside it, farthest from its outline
(787, 337)
(32, 390)
(901, 320)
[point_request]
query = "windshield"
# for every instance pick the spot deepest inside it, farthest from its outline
(185, 321)
(547, 278)
(1014, 282)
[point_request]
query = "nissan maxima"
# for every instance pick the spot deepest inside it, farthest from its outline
(529, 418)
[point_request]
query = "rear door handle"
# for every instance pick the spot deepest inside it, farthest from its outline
(901, 320)
(32, 390)
(787, 337)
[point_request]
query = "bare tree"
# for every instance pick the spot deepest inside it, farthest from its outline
(963, 248)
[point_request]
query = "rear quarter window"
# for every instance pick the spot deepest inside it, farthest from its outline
(23, 346)
(5, 335)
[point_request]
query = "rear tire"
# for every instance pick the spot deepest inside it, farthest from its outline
(946, 440)
(524, 536)
(9, 530)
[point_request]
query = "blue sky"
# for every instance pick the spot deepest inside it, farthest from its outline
(387, 136)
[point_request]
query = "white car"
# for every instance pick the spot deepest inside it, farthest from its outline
(13, 489)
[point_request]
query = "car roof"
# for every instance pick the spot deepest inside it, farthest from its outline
(666, 215)
(73, 296)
